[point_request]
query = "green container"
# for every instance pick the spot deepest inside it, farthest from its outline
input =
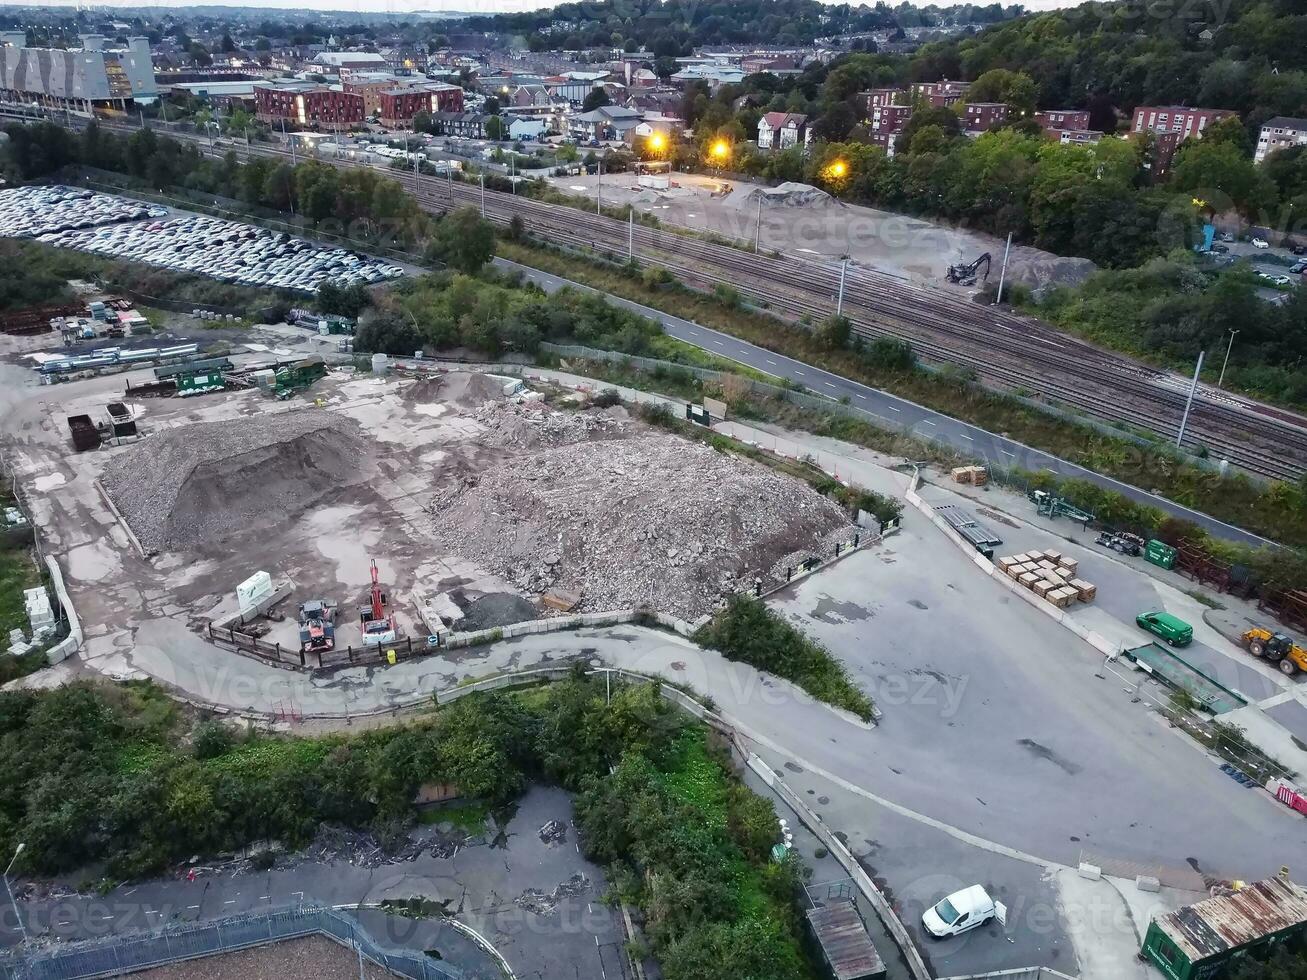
(1160, 553)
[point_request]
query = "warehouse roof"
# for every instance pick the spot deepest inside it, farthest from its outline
(1226, 922)
(844, 941)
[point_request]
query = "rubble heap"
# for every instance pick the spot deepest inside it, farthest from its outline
(529, 425)
(202, 482)
(650, 520)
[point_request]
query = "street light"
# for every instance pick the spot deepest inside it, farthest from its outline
(17, 915)
(719, 151)
(656, 143)
(838, 169)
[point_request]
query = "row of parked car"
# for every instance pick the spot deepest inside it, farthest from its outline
(27, 212)
(225, 250)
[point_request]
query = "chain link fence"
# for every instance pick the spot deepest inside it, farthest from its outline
(175, 943)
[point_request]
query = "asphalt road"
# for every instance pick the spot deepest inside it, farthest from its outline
(890, 411)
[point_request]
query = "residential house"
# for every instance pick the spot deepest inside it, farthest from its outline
(308, 104)
(525, 96)
(1077, 136)
(782, 130)
(523, 128)
(1278, 134)
(609, 122)
(400, 104)
(880, 97)
(339, 62)
(716, 75)
(465, 125)
(370, 85)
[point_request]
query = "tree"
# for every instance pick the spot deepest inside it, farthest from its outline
(1016, 89)
(491, 106)
(834, 332)
(1220, 175)
(386, 332)
(596, 97)
(495, 128)
(463, 241)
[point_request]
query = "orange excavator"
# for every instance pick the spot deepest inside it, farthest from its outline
(378, 625)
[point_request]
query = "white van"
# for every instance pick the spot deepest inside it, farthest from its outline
(961, 911)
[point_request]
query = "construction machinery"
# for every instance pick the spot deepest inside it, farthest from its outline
(1048, 505)
(966, 273)
(1122, 541)
(378, 625)
(317, 626)
(1277, 648)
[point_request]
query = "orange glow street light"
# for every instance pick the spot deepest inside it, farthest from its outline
(838, 169)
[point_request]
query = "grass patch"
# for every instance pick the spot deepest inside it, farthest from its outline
(1204, 599)
(468, 817)
(748, 632)
(18, 571)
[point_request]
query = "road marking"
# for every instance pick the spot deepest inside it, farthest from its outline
(230, 901)
(264, 898)
(829, 385)
(1006, 453)
(799, 373)
(719, 343)
(192, 906)
(891, 408)
(927, 422)
(863, 397)
(965, 436)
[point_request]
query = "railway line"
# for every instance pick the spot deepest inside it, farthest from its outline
(1003, 349)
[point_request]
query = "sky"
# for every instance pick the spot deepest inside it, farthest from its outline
(411, 6)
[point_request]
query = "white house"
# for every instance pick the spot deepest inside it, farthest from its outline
(1278, 134)
(781, 130)
(526, 129)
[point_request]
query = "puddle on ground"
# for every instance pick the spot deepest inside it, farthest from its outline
(1044, 752)
(91, 562)
(917, 604)
(831, 610)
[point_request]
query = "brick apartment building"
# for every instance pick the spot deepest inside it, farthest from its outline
(878, 98)
(309, 104)
(400, 105)
(941, 93)
(977, 117)
(1172, 125)
(1053, 121)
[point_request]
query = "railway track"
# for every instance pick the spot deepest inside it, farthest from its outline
(1004, 349)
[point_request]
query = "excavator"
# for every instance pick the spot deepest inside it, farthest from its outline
(965, 274)
(317, 626)
(378, 625)
(1277, 648)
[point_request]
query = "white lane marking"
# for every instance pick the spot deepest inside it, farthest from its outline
(769, 361)
(1006, 453)
(719, 343)
(927, 422)
(800, 373)
(863, 397)
(967, 437)
(192, 906)
(891, 408)
(829, 385)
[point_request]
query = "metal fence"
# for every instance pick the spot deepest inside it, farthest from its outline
(123, 954)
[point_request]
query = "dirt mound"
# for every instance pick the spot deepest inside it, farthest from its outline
(786, 195)
(1035, 268)
(532, 424)
(496, 609)
(467, 389)
(649, 520)
(203, 482)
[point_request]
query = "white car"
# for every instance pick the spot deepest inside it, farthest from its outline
(962, 911)
(1261, 243)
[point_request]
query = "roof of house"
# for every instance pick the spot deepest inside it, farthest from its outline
(609, 113)
(349, 58)
(779, 120)
(1285, 122)
(1225, 922)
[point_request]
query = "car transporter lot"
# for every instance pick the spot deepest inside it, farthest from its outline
(229, 251)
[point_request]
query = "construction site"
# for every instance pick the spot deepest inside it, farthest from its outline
(381, 515)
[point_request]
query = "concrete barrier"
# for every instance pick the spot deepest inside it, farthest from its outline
(73, 641)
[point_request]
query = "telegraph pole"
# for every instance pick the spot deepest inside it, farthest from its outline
(1226, 362)
(839, 303)
(1003, 273)
(757, 226)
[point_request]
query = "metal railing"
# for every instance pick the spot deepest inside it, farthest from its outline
(175, 943)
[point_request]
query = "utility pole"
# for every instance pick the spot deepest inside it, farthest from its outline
(630, 235)
(839, 303)
(1226, 362)
(757, 226)
(1003, 273)
(599, 186)
(1193, 387)
(142, 118)
(482, 175)
(22, 929)
(449, 178)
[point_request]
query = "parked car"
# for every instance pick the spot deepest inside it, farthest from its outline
(1219, 248)
(1174, 630)
(1227, 237)
(1261, 243)
(961, 912)
(1298, 268)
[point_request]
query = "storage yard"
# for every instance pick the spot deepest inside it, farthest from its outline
(120, 228)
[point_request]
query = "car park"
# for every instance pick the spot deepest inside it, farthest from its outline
(229, 251)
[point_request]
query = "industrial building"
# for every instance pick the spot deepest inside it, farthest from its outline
(86, 79)
(1202, 940)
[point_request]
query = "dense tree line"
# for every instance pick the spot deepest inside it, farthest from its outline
(117, 776)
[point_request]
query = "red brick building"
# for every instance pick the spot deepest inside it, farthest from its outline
(1171, 126)
(878, 98)
(308, 105)
(979, 116)
(941, 93)
(1053, 121)
(400, 105)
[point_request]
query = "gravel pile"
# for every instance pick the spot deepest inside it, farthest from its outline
(496, 609)
(308, 958)
(531, 424)
(199, 483)
(650, 520)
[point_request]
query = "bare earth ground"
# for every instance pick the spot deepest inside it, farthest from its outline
(817, 225)
(311, 958)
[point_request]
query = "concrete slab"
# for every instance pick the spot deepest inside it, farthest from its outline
(1292, 716)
